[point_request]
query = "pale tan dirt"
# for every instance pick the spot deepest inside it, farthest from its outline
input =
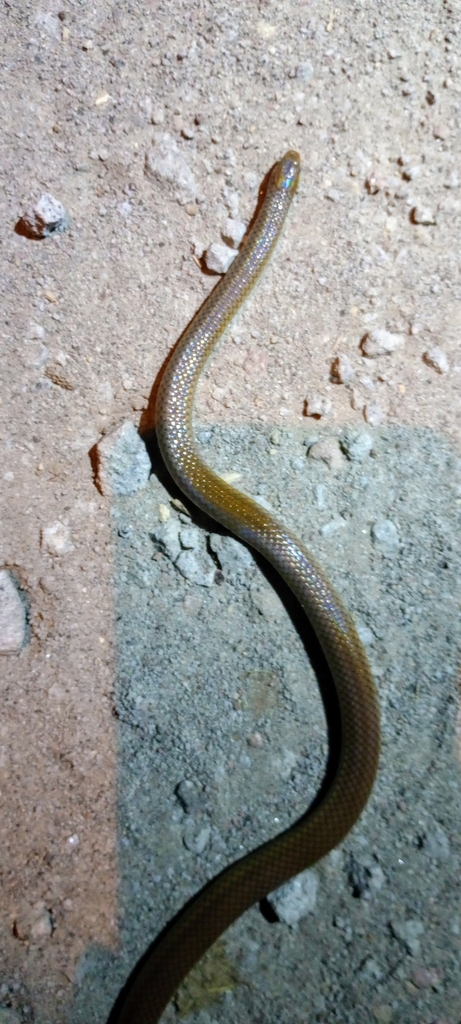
(81, 84)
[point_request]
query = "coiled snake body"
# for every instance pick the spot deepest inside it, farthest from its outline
(322, 828)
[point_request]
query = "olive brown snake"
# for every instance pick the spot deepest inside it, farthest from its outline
(250, 879)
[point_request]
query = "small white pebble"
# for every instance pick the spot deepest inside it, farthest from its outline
(12, 615)
(296, 898)
(305, 71)
(374, 182)
(327, 451)
(255, 740)
(218, 257)
(318, 406)
(36, 331)
(342, 371)
(165, 163)
(422, 215)
(56, 539)
(373, 414)
(329, 529)
(158, 115)
(380, 342)
(234, 232)
(412, 172)
(436, 358)
(334, 195)
(41, 925)
(452, 181)
(385, 537)
(123, 464)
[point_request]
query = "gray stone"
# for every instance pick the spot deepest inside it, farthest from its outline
(357, 444)
(342, 371)
(436, 842)
(385, 537)
(191, 568)
(166, 539)
(297, 898)
(196, 839)
(12, 615)
(327, 451)
(232, 555)
(233, 232)
(422, 215)
(305, 71)
(190, 537)
(407, 932)
(190, 795)
(436, 358)
(56, 539)
(218, 257)
(123, 463)
(380, 342)
(165, 163)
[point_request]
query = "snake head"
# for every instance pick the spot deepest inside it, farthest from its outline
(287, 171)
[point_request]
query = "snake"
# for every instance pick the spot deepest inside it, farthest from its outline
(328, 819)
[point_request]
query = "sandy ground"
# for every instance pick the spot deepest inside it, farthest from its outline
(90, 95)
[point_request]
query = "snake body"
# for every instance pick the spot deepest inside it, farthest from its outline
(333, 815)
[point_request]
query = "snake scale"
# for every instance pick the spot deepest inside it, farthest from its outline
(331, 817)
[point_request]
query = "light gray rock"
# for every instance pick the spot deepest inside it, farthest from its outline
(297, 898)
(190, 795)
(436, 842)
(193, 570)
(385, 537)
(327, 451)
(380, 343)
(233, 556)
(123, 465)
(234, 232)
(56, 539)
(342, 371)
(218, 257)
(373, 413)
(190, 538)
(196, 839)
(423, 215)
(408, 933)
(331, 528)
(165, 163)
(305, 71)
(166, 539)
(357, 444)
(436, 358)
(318, 405)
(13, 630)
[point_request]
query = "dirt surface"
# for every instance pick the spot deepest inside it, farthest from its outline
(133, 678)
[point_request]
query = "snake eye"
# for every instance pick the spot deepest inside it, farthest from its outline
(288, 171)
